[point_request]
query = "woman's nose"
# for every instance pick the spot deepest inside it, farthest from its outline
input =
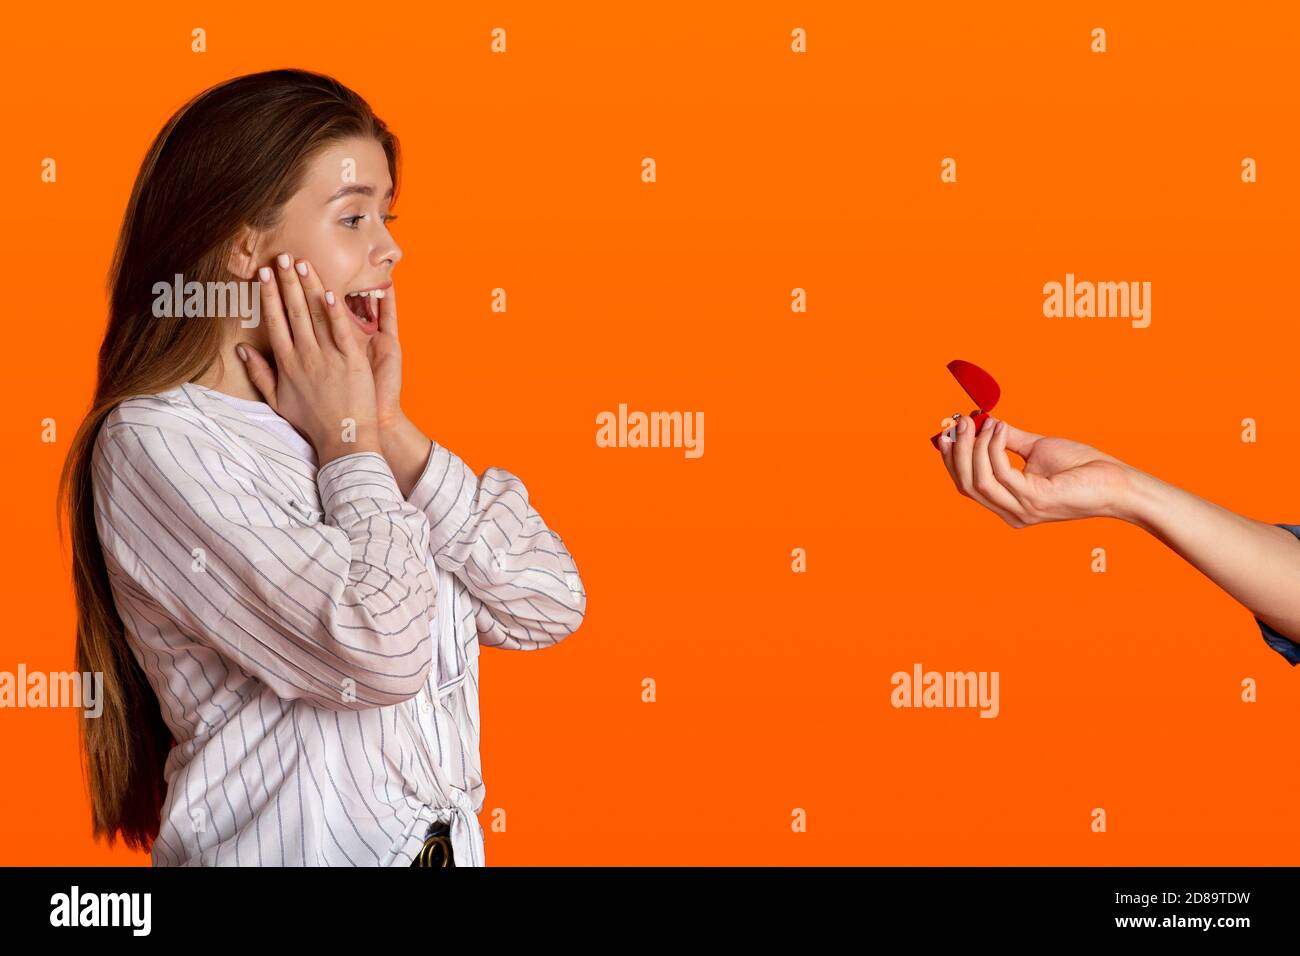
(389, 251)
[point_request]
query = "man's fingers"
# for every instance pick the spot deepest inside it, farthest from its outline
(1007, 475)
(986, 485)
(975, 463)
(947, 441)
(1020, 441)
(961, 454)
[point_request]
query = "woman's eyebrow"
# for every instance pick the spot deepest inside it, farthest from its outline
(363, 189)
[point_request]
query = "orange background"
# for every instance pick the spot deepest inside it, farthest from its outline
(775, 171)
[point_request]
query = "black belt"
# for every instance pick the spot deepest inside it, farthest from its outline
(437, 847)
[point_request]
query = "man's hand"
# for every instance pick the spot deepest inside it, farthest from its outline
(1062, 479)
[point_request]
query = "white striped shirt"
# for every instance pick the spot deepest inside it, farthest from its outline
(312, 636)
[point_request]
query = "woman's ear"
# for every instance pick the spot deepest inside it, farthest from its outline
(243, 253)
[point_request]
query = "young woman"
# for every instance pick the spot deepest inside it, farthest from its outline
(283, 580)
(1257, 563)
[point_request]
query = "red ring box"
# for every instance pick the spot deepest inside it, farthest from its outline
(981, 388)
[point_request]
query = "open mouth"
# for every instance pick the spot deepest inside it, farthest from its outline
(364, 306)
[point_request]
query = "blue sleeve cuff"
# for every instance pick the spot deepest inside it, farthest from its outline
(1288, 648)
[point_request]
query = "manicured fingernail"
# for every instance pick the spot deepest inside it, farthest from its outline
(1002, 427)
(329, 296)
(961, 424)
(265, 273)
(242, 354)
(302, 268)
(284, 260)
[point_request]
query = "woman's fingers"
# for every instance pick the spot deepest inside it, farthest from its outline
(295, 304)
(260, 372)
(330, 316)
(340, 320)
(313, 292)
(277, 326)
(319, 376)
(388, 311)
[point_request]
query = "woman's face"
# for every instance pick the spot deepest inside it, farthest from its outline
(338, 222)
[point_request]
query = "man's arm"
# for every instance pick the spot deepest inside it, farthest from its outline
(1255, 562)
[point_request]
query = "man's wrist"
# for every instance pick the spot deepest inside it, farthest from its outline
(1137, 496)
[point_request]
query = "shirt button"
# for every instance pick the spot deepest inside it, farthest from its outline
(426, 706)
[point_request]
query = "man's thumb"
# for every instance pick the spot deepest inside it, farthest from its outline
(1020, 441)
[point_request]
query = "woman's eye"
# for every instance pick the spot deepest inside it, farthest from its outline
(351, 221)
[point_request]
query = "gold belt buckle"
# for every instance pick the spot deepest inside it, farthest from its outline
(430, 848)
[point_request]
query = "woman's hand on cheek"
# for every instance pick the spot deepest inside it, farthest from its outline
(404, 446)
(321, 382)
(385, 353)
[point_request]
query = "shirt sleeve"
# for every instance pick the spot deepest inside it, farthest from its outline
(334, 611)
(485, 531)
(1288, 648)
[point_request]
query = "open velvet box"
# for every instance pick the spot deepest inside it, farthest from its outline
(981, 388)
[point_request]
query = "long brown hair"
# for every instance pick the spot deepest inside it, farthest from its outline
(230, 157)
